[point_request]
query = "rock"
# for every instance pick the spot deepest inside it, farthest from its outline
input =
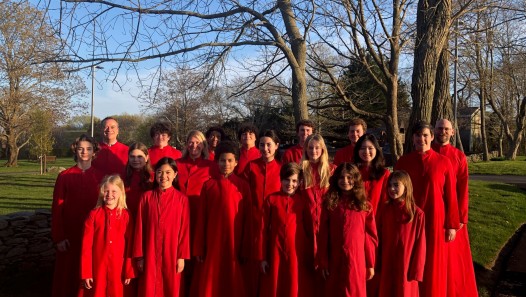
(17, 251)
(3, 224)
(42, 247)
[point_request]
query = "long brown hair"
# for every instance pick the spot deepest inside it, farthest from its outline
(357, 200)
(146, 172)
(409, 200)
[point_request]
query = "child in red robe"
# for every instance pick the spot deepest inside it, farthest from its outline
(347, 241)
(138, 176)
(161, 133)
(162, 239)
(287, 264)
(75, 195)
(401, 234)
(221, 238)
(106, 264)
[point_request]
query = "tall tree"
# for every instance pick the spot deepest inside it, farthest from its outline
(25, 82)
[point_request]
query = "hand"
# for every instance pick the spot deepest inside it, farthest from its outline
(451, 234)
(325, 273)
(87, 283)
(264, 266)
(369, 274)
(140, 264)
(127, 281)
(63, 245)
(461, 226)
(180, 265)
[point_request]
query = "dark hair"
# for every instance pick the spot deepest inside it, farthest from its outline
(226, 147)
(290, 169)
(146, 172)
(358, 199)
(420, 127)
(166, 161)
(306, 123)
(357, 122)
(247, 127)
(103, 122)
(161, 127)
(77, 141)
(408, 198)
(215, 129)
(378, 163)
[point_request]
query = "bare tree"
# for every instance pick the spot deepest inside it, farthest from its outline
(26, 84)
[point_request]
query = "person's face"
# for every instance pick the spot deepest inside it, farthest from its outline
(443, 132)
(345, 182)
(268, 148)
(165, 176)
(367, 152)
(84, 151)
(227, 163)
(111, 130)
(396, 189)
(161, 139)
(194, 147)
(248, 139)
(314, 151)
(303, 133)
(355, 132)
(214, 139)
(112, 194)
(290, 184)
(137, 159)
(422, 141)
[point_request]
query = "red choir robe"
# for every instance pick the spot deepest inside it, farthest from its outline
(211, 155)
(111, 159)
(263, 180)
(106, 252)
(346, 247)
(75, 195)
(434, 191)
(221, 237)
(134, 191)
(156, 153)
(292, 154)
(161, 237)
(376, 190)
(461, 274)
(287, 247)
(245, 156)
(345, 154)
(401, 250)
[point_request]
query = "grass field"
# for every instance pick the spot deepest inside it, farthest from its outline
(517, 167)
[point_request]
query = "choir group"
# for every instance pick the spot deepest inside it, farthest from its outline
(223, 219)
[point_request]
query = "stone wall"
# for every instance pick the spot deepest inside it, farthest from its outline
(25, 242)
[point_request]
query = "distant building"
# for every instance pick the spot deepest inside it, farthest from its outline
(469, 128)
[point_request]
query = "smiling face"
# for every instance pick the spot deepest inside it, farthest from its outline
(137, 159)
(248, 140)
(164, 176)
(443, 132)
(227, 163)
(213, 139)
(290, 184)
(195, 147)
(355, 132)
(268, 148)
(112, 193)
(396, 189)
(110, 131)
(345, 182)
(367, 152)
(422, 140)
(84, 151)
(161, 139)
(303, 133)
(314, 151)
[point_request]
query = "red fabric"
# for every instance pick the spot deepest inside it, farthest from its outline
(292, 154)
(134, 191)
(461, 275)
(287, 247)
(106, 245)
(245, 156)
(111, 159)
(376, 190)
(221, 230)
(402, 251)
(211, 155)
(156, 153)
(345, 154)
(75, 195)
(434, 191)
(161, 237)
(346, 247)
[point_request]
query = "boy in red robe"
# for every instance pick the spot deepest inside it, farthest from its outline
(357, 127)
(221, 233)
(460, 275)
(161, 133)
(304, 128)
(113, 155)
(249, 151)
(434, 190)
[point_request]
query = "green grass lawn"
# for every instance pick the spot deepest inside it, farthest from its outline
(517, 167)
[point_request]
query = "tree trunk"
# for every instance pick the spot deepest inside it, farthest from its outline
(485, 151)
(12, 151)
(442, 106)
(433, 18)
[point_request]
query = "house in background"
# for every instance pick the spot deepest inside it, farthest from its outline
(469, 128)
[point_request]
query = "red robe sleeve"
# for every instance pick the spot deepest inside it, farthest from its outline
(198, 247)
(450, 198)
(183, 251)
(57, 224)
(137, 244)
(86, 261)
(322, 255)
(129, 269)
(371, 240)
(418, 256)
(462, 188)
(265, 233)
